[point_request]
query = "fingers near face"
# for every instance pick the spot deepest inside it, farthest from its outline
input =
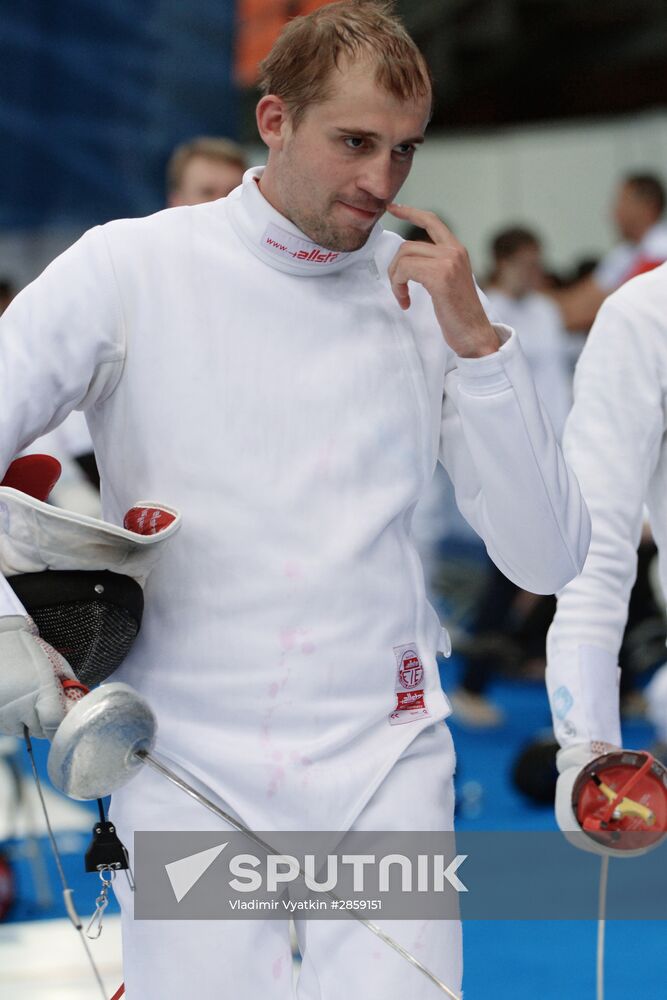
(429, 221)
(443, 269)
(407, 267)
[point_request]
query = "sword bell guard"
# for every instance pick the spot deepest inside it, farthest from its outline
(94, 749)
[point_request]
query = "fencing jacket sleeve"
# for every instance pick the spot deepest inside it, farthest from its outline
(495, 433)
(615, 442)
(62, 349)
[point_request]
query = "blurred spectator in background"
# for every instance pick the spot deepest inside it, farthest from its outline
(637, 214)
(513, 291)
(583, 268)
(204, 169)
(507, 623)
(7, 293)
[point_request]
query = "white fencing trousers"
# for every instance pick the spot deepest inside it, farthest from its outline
(251, 959)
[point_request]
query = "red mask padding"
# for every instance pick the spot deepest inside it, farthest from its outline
(35, 475)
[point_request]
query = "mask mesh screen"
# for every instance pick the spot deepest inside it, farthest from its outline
(91, 618)
(94, 637)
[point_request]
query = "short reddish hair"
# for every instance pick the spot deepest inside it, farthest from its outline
(298, 67)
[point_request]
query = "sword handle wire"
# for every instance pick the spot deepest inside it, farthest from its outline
(602, 906)
(68, 892)
(157, 765)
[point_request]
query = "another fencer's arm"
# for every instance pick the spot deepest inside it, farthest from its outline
(612, 441)
(511, 481)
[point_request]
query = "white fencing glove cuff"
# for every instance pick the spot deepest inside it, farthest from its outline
(31, 675)
(570, 762)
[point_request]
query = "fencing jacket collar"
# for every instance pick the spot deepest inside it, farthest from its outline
(277, 241)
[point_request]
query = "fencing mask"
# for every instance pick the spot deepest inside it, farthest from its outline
(79, 578)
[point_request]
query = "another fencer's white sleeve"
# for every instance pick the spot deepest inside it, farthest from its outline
(62, 347)
(511, 481)
(612, 441)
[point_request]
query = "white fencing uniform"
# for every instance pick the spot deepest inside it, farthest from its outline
(275, 394)
(615, 441)
(341, 958)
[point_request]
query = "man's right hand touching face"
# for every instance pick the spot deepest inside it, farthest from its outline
(443, 268)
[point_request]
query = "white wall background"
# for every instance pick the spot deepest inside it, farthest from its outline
(558, 179)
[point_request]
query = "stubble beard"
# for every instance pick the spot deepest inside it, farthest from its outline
(319, 226)
(326, 234)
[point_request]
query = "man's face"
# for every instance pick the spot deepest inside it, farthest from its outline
(632, 214)
(334, 175)
(205, 179)
(523, 272)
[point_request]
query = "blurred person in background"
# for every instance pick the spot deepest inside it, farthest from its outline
(514, 293)
(204, 169)
(508, 623)
(637, 213)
